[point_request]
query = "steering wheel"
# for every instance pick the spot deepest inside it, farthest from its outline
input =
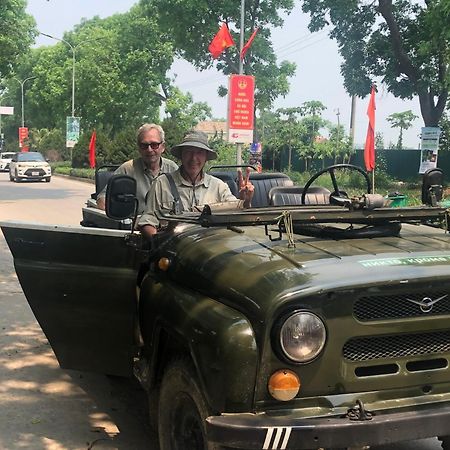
(337, 195)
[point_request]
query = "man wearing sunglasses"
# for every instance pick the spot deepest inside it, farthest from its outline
(190, 187)
(146, 168)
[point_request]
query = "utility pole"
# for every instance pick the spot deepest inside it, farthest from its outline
(21, 86)
(241, 71)
(338, 127)
(352, 121)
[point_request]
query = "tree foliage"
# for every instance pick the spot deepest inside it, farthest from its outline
(182, 114)
(405, 43)
(121, 66)
(17, 31)
(403, 121)
(193, 24)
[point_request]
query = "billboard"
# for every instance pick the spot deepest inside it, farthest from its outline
(241, 108)
(72, 131)
(429, 146)
(23, 136)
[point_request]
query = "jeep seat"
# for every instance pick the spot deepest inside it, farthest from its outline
(229, 178)
(263, 183)
(292, 195)
(102, 175)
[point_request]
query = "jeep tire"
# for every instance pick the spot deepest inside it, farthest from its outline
(182, 410)
(48, 179)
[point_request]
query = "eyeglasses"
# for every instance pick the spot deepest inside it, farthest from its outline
(152, 145)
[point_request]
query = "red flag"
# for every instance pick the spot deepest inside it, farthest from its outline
(248, 43)
(92, 150)
(221, 41)
(369, 148)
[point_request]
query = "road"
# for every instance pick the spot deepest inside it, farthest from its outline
(43, 406)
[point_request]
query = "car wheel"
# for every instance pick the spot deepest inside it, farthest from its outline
(47, 180)
(182, 410)
(445, 442)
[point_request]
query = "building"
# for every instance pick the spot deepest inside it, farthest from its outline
(214, 128)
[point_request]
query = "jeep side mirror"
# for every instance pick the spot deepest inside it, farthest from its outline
(121, 201)
(432, 189)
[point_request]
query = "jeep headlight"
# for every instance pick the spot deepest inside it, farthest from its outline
(302, 336)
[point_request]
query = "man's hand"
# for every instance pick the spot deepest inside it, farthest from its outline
(148, 230)
(101, 202)
(246, 189)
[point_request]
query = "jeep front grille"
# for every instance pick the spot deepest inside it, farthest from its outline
(382, 307)
(396, 346)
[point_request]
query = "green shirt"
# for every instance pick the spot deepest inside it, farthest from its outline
(144, 178)
(207, 191)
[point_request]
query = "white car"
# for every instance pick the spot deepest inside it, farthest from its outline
(5, 159)
(29, 166)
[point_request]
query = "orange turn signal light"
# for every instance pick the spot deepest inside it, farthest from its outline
(164, 264)
(284, 385)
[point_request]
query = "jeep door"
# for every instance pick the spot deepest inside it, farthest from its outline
(81, 286)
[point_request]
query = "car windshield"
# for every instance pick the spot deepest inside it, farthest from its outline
(30, 157)
(6, 155)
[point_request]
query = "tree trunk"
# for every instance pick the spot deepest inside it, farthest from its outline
(431, 111)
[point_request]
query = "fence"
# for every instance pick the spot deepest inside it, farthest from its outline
(399, 164)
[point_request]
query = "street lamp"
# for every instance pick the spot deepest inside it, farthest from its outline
(21, 85)
(73, 66)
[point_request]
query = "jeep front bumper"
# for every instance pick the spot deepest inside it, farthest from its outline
(283, 430)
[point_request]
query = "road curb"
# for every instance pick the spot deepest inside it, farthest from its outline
(84, 180)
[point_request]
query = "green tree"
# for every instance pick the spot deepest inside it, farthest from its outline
(406, 43)
(379, 141)
(120, 68)
(402, 120)
(17, 32)
(271, 145)
(289, 132)
(192, 36)
(444, 139)
(182, 114)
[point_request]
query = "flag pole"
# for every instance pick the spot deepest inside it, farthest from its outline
(241, 71)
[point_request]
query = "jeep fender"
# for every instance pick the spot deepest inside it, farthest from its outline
(219, 340)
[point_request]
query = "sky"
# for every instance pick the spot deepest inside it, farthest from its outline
(317, 77)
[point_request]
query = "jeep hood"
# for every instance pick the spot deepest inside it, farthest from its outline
(250, 271)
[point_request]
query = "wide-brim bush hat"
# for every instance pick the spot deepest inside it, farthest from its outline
(197, 139)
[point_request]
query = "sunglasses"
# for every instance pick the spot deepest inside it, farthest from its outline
(152, 145)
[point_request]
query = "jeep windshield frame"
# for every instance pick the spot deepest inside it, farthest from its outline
(222, 217)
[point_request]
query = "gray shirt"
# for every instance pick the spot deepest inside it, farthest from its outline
(143, 175)
(207, 191)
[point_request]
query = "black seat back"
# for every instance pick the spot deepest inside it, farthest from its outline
(229, 178)
(102, 176)
(263, 183)
(292, 195)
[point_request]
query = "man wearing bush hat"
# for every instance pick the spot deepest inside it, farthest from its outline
(191, 184)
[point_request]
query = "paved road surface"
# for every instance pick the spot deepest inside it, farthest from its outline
(42, 406)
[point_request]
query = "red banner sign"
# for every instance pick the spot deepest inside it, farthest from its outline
(241, 108)
(23, 135)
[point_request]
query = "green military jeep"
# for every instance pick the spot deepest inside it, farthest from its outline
(319, 321)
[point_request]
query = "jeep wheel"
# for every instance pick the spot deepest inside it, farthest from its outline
(48, 179)
(182, 410)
